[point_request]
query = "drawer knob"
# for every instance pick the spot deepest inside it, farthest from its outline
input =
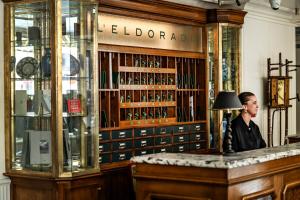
(122, 156)
(122, 135)
(122, 145)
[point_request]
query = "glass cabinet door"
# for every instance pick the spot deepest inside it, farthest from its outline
(30, 87)
(223, 64)
(52, 87)
(78, 85)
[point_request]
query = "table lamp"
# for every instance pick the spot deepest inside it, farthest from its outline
(228, 101)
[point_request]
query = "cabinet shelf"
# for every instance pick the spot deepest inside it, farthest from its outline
(147, 122)
(33, 114)
(147, 70)
(148, 104)
(147, 87)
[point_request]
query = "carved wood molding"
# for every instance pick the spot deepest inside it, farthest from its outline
(156, 10)
(226, 16)
(291, 190)
(260, 194)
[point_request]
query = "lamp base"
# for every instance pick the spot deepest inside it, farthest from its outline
(229, 151)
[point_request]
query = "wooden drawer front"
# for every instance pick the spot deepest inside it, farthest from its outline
(116, 157)
(181, 129)
(143, 132)
(163, 140)
(198, 127)
(197, 146)
(122, 145)
(103, 136)
(164, 130)
(143, 143)
(104, 147)
(104, 158)
(181, 138)
(122, 134)
(181, 148)
(143, 152)
(163, 149)
(197, 137)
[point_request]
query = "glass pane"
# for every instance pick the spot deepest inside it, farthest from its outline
(211, 85)
(78, 84)
(30, 87)
(230, 58)
(230, 64)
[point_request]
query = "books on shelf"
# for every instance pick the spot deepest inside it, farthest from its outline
(74, 106)
(20, 102)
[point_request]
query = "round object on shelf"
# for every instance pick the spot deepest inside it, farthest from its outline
(27, 67)
(70, 65)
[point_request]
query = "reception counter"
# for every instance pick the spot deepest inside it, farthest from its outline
(271, 173)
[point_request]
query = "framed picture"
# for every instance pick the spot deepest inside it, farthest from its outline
(279, 91)
(40, 147)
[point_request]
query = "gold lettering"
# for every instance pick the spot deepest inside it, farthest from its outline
(114, 29)
(138, 30)
(162, 35)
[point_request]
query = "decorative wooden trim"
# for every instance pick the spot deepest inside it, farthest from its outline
(174, 197)
(142, 50)
(155, 10)
(259, 194)
(288, 187)
(225, 16)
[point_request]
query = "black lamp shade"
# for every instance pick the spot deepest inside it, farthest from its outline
(227, 101)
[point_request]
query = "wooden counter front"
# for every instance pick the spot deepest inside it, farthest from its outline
(274, 179)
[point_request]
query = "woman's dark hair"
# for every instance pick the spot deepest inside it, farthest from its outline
(245, 97)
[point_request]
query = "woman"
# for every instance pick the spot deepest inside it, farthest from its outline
(245, 133)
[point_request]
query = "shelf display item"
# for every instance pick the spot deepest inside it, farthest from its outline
(46, 63)
(27, 67)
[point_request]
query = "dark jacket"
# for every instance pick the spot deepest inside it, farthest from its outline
(244, 137)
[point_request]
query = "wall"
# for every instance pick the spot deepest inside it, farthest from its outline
(4, 181)
(266, 33)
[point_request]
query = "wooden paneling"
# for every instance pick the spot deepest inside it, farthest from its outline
(277, 179)
(33, 188)
(155, 10)
(225, 16)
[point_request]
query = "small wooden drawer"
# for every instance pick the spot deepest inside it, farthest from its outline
(103, 136)
(143, 132)
(164, 130)
(122, 134)
(163, 140)
(181, 129)
(121, 145)
(104, 147)
(104, 158)
(181, 138)
(198, 127)
(143, 143)
(143, 152)
(163, 149)
(197, 146)
(181, 148)
(120, 156)
(197, 137)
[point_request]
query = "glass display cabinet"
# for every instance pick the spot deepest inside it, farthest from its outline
(223, 35)
(51, 89)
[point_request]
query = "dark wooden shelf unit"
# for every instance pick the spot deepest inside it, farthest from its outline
(150, 104)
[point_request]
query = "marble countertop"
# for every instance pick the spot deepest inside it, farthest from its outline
(219, 161)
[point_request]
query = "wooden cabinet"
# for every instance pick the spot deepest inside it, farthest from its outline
(224, 65)
(51, 98)
(149, 104)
